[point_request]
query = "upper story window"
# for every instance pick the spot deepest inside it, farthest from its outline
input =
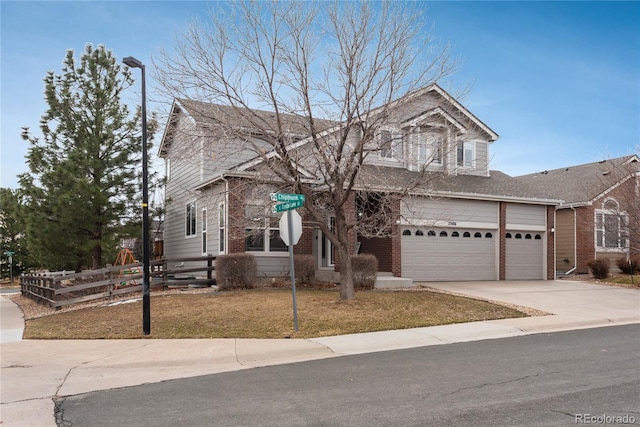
(190, 219)
(390, 144)
(466, 154)
(430, 150)
(611, 226)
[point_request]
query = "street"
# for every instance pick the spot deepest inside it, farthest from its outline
(563, 378)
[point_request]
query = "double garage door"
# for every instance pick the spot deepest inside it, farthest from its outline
(441, 254)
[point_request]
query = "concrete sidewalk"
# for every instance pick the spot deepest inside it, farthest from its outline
(34, 372)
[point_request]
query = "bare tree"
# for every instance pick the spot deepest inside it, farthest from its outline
(331, 74)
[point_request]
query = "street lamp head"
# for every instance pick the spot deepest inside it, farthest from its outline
(132, 62)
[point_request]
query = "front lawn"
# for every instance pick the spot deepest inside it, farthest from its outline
(265, 313)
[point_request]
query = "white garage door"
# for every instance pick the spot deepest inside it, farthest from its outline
(525, 256)
(441, 254)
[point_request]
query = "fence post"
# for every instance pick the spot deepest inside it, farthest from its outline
(209, 265)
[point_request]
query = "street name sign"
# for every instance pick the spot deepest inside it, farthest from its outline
(283, 197)
(287, 206)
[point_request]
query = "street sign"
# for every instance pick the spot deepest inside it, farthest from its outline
(283, 197)
(296, 227)
(283, 207)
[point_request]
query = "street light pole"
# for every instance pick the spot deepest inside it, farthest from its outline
(146, 297)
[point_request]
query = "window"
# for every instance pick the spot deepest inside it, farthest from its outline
(390, 145)
(611, 226)
(466, 234)
(477, 234)
(190, 219)
(419, 233)
(435, 143)
(466, 154)
(263, 234)
(221, 228)
(443, 234)
(430, 150)
(204, 231)
(455, 234)
(431, 233)
(490, 236)
(406, 233)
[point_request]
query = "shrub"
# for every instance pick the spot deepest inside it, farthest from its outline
(305, 268)
(364, 269)
(236, 271)
(627, 267)
(599, 268)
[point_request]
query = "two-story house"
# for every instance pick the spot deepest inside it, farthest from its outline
(454, 219)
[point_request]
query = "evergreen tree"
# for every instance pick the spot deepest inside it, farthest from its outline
(83, 183)
(12, 235)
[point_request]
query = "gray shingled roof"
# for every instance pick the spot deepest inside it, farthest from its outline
(497, 185)
(205, 113)
(581, 183)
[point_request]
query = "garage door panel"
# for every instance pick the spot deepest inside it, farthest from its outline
(524, 256)
(440, 258)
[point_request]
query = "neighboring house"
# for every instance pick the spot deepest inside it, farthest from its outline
(464, 222)
(600, 213)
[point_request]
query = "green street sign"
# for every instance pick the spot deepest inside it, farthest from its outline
(283, 207)
(283, 197)
(9, 253)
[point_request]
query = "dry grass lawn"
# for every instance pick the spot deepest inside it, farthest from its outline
(266, 313)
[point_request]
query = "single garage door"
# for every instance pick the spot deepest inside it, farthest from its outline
(441, 254)
(525, 256)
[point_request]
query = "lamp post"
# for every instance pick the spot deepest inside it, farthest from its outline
(146, 297)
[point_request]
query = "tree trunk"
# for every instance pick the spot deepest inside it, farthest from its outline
(347, 291)
(96, 257)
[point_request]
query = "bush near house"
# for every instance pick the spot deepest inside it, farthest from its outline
(305, 268)
(236, 271)
(629, 266)
(599, 268)
(364, 268)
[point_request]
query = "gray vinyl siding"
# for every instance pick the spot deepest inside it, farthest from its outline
(422, 210)
(519, 215)
(273, 265)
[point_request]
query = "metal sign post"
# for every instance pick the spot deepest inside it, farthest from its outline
(292, 273)
(291, 201)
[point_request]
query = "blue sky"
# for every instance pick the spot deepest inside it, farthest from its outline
(558, 81)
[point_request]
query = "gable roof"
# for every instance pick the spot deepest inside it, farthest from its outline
(582, 184)
(204, 114)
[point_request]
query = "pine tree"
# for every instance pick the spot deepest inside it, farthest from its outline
(12, 232)
(82, 187)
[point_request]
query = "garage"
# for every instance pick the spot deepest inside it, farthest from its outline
(524, 255)
(448, 254)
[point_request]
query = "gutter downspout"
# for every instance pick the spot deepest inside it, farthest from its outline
(226, 216)
(575, 243)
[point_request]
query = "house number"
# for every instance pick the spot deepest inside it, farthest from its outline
(452, 223)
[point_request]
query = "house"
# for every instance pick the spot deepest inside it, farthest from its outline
(599, 216)
(457, 221)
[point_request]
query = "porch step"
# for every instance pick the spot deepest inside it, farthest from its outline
(386, 282)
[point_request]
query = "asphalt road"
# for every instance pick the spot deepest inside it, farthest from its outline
(564, 378)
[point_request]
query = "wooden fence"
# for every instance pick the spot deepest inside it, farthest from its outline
(62, 290)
